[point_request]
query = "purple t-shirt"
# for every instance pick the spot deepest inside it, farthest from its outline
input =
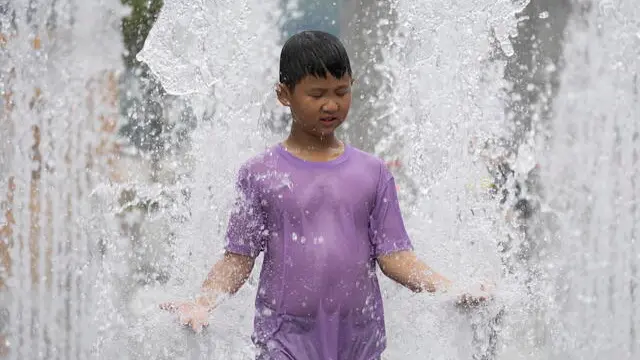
(321, 226)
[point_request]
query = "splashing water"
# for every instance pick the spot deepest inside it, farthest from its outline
(456, 212)
(590, 157)
(448, 106)
(66, 281)
(56, 124)
(229, 48)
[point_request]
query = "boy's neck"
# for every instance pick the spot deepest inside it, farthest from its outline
(307, 142)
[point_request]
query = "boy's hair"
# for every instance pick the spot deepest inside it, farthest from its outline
(313, 53)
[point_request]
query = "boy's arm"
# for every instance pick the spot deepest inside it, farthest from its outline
(225, 278)
(405, 268)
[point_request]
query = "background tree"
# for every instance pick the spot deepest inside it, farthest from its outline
(141, 99)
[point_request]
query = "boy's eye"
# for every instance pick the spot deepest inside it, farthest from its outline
(316, 96)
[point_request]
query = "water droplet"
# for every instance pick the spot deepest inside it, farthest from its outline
(294, 236)
(550, 68)
(303, 240)
(543, 15)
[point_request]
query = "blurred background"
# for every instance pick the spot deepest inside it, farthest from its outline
(511, 127)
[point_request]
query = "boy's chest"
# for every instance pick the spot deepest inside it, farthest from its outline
(346, 192)
(319, 222)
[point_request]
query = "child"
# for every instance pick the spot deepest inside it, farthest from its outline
(324, 214)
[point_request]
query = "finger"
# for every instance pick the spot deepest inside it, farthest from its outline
(198, 327)
(168, 306)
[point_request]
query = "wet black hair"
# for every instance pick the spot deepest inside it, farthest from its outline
(313, 53)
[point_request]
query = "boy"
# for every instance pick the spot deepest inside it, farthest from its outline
(324, 214)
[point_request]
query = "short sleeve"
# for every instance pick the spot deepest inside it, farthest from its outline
(386, 226)
(246, 222)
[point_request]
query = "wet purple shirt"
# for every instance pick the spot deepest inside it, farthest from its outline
(321, 226)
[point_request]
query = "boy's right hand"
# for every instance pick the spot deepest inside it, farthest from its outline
(190, 313)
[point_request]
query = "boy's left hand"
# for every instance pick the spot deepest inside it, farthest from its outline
(473, 298)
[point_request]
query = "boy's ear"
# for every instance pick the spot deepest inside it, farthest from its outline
(284, 96)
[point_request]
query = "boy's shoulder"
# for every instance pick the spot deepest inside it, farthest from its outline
(267, 160)
(366, 157)
(260, 162)
(371, 164)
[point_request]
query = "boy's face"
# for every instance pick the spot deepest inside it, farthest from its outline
(318, 105)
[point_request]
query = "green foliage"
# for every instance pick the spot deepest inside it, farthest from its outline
(141, 100)
(316, 15)
(137, 25)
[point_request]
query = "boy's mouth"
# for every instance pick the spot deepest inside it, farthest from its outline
(328, 120)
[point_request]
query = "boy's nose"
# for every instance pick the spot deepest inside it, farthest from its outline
(330, 107)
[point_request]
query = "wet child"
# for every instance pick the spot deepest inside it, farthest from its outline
(325, 215)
